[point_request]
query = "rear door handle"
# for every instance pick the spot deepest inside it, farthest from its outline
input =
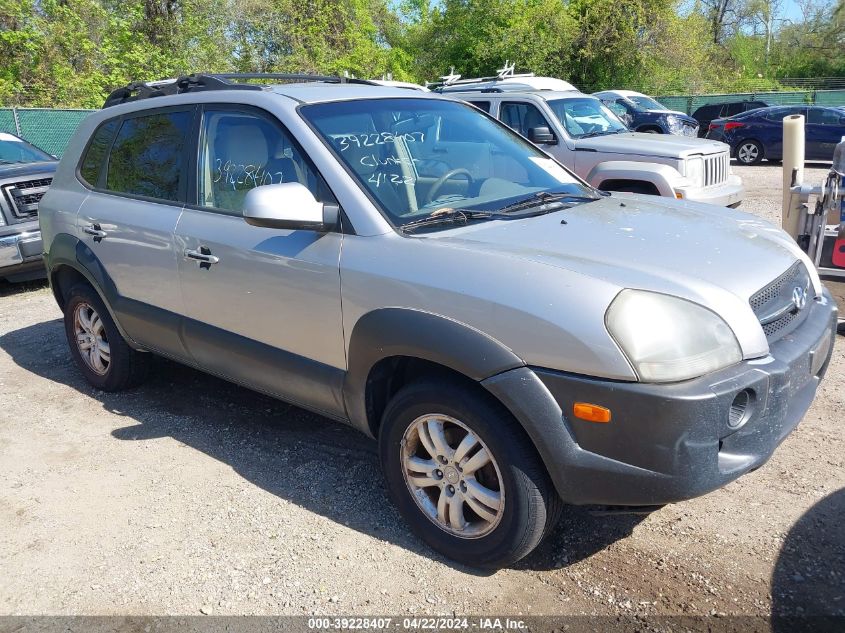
(96, 231)
(203, 256)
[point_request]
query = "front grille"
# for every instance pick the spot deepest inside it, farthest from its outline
(775, 306)
(23, 197)
(716, 169)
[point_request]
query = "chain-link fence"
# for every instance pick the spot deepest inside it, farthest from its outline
(690, 103)
(46, 128)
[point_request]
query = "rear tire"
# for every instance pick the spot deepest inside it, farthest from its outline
(100, 352)
(749, 152)
(483, 516)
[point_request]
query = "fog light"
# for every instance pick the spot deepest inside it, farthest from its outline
(740, 409)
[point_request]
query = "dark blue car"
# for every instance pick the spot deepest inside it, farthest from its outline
(641, 113)
(758, 134)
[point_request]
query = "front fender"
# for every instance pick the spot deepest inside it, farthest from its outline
(390, 332)
(663, 177)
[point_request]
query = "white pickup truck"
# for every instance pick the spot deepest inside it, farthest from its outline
(583, 134)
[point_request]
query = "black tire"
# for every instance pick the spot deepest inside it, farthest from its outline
(651, 130)
(643, 188)
(531, 505)
(126, 367)
(749, 152)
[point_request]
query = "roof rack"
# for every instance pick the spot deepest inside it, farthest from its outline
(199, 82)
(505, 80)
(453, 79)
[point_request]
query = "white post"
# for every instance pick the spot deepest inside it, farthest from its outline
(793, 160)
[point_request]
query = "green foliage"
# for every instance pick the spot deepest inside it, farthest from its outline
(73, 52)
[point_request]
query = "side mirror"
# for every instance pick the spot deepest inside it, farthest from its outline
(541, 136)
(288, 205)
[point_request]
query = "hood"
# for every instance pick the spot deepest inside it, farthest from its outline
(23, 170)
(663, 145)
(677, 113)
(713, 256)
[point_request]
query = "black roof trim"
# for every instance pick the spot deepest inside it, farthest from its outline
(218, 81)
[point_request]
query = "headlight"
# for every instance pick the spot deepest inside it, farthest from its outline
(669, 339)
(694, 171)
(675, 125)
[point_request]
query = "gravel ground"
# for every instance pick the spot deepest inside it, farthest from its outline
(193, 496)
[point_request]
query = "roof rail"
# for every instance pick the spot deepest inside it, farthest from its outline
(217, 81)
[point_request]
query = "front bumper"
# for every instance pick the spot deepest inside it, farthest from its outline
(728, 194)
(20, 253)
(670, 442)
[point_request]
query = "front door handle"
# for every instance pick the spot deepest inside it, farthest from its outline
(203, 256)
(96, 231)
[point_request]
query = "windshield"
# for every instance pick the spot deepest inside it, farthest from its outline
(586, 117)
(647, 102)
(16, 150)
(420, 157)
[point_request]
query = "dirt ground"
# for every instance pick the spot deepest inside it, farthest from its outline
(193, 496)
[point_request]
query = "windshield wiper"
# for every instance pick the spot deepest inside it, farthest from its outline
(444, 217)
(552, 202)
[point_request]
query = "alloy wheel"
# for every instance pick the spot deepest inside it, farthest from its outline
(453, 476)
(91, 340)
(748, 153)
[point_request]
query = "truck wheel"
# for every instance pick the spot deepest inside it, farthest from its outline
(102, 354)
(464, 475)
(749, 152)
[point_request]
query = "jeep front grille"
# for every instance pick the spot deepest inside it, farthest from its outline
(23, 197)
(775, 305)
(716, 169)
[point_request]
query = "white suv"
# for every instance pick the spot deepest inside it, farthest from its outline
(583, 134)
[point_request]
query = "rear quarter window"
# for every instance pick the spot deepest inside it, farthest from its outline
(94, 158)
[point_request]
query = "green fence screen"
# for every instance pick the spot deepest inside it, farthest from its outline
(48, 129)
(690, 103)
(51, 129)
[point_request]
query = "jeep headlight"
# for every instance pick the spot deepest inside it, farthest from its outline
(694, 171)
(668, 339)
(675, 125)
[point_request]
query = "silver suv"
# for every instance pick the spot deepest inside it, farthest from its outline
(585, 136)
(401, 262)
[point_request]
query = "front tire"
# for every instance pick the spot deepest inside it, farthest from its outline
(464, 475)
(749, 152)
(101, 353)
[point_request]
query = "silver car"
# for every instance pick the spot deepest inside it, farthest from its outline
(398, 261)
(581, 133)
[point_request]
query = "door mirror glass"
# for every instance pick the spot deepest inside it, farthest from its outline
(541, 136)
(288, 205)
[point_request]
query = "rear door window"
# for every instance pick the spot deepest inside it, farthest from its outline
(148, 158)
(481, 105)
